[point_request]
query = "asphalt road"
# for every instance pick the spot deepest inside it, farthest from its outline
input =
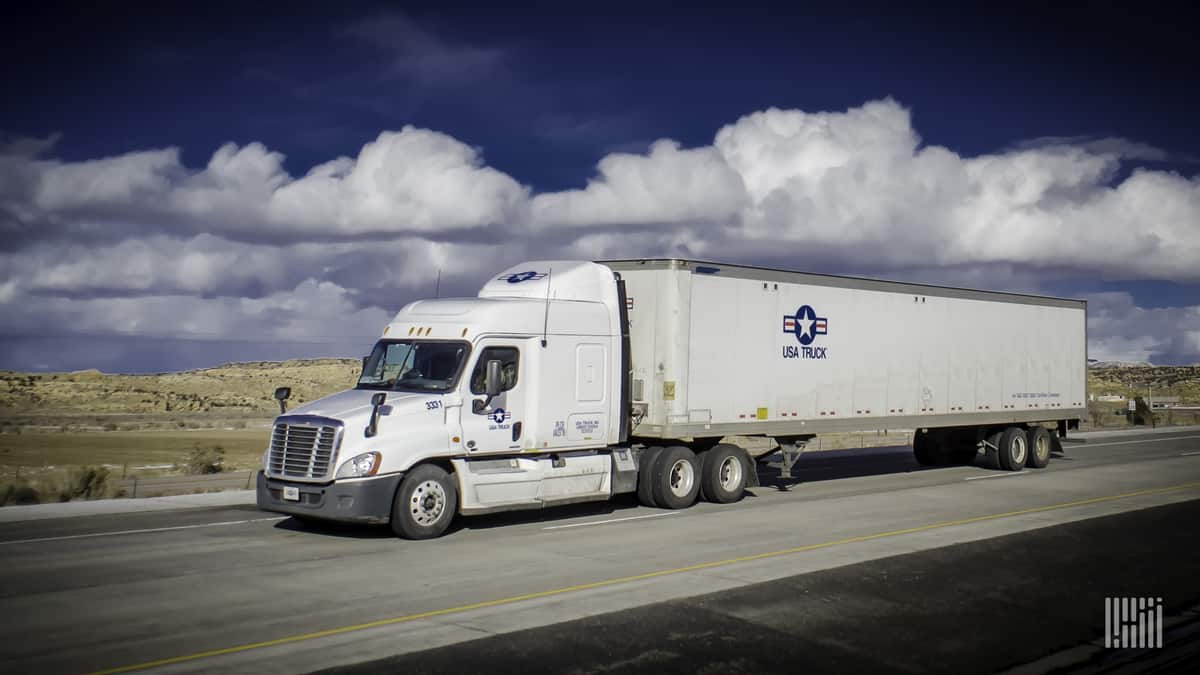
(238, 589)
(984, 606)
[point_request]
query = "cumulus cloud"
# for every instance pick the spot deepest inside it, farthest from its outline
(856, 190)
(1119, 330)
(414, 180)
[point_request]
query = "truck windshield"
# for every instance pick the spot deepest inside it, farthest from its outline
(408, 365)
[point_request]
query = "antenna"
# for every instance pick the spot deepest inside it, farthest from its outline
(437, 288)
(546, 321)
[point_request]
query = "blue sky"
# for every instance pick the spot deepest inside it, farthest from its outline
(159, 211)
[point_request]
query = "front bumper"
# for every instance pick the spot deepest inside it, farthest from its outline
(367, 500)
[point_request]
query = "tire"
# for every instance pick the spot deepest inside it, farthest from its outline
(646, 466)
(964, 454)
(925, 449)
(1040, 445)
(723, 473)
(1012, 449)
(425, 503)
(960, 446)
(675, 478)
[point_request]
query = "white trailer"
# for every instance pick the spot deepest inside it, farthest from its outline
(567, 381)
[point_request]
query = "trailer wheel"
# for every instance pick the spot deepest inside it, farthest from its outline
(646, 465)
(925, 449)
(960, 446)
(723, 474)
(1040, 444)
(1012, 449)
(965, 454)
(675, 478)
(425, 503)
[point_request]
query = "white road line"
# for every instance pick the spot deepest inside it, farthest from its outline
(614, 520)
(152, 529)
(1001, 475)
(1148, 440)
(1188, 454)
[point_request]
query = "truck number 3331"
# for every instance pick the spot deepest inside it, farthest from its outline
(432, 405)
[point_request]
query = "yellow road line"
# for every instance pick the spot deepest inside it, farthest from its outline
(636, 577)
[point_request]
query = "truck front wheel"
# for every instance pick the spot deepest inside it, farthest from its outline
(425, 503)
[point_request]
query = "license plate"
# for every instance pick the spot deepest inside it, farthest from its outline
(291, 494)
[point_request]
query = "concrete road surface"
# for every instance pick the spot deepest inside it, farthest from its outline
(236, 589)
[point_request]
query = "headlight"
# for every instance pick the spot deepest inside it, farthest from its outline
(358, 466)
(266, 459)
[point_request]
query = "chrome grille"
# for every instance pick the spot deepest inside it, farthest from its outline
(303, 449)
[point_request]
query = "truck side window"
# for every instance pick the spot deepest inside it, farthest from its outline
(508, 357)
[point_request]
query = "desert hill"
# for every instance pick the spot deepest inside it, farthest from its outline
(212, 396)
(232, 390)
(1136, 380)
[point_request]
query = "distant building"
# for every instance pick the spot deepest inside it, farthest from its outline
(1163, 401)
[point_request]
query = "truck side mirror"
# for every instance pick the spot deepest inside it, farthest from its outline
(376, 403)
(282, 394)
(492, 381)
(491, 386)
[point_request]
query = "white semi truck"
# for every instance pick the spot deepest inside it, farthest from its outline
(568, 381)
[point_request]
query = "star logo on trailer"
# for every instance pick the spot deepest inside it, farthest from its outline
(806, 325)
(518, 277)
(499, 415)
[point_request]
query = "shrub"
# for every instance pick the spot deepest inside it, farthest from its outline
(89, 482)
(19, 493)
(205, 460)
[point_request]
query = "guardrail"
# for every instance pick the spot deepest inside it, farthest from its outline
(136, 486)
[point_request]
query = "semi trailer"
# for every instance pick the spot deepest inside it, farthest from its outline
(574, 381)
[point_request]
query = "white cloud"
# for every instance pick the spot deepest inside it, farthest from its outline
(1119, 330)
(414, 180)
(782, 187)
(668, 185)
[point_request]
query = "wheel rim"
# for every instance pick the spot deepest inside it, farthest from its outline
(428, 502)
(730, 475)
(1018, 450)
(1042, 447)
(682, 478)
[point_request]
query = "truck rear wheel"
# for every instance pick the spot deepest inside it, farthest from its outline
(675, 478)
(425, 503)
(1039, 447)
(646, 463)
(723, 474)
(1008, 449)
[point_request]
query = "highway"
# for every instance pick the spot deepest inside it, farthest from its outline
(237, 589)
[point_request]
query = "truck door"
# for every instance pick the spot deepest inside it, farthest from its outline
(497, 425)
